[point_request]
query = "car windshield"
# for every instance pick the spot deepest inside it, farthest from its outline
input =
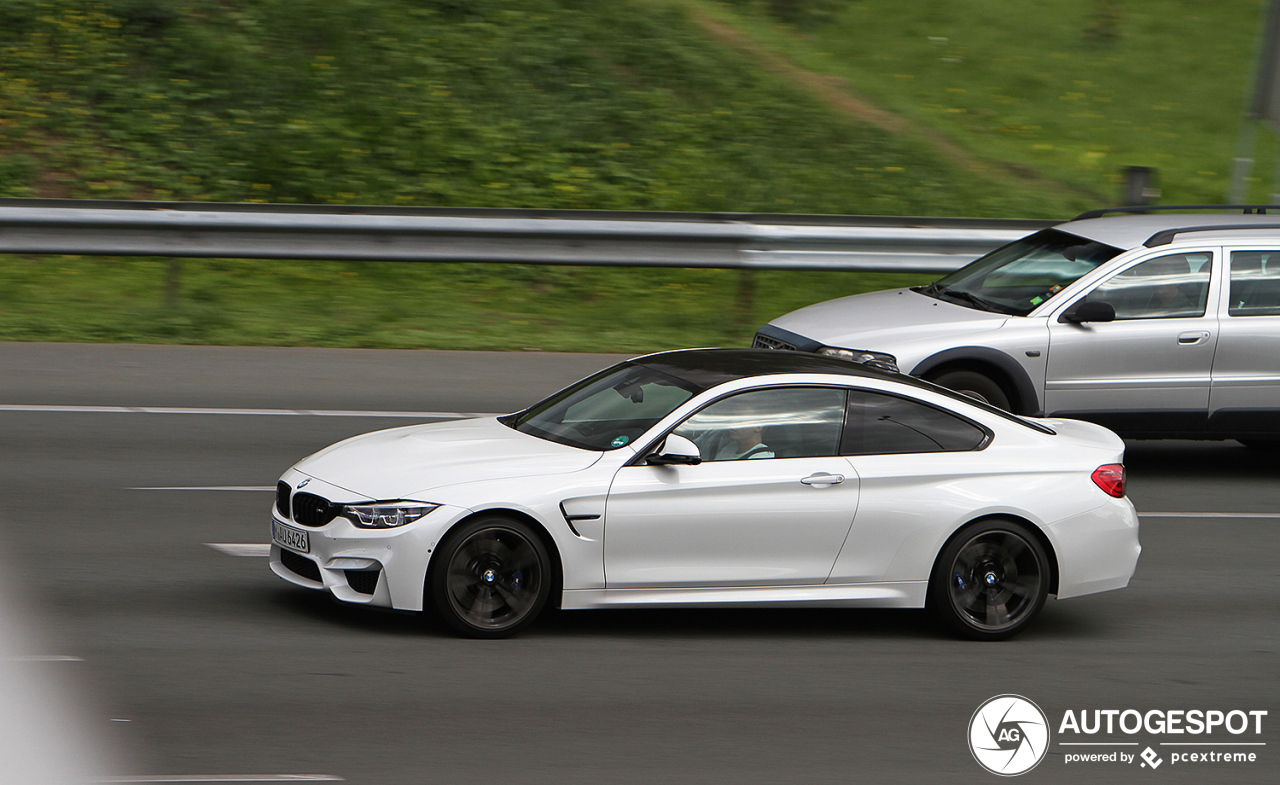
(1021, 276)
(605, 411)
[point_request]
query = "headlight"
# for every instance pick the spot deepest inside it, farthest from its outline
(386, 515)
(885, 362)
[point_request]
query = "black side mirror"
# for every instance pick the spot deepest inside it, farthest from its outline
(676, 451)
(1089, 311)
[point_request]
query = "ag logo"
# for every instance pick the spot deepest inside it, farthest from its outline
(1008, 735)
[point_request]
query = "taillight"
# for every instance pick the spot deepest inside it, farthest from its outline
(1110, 478)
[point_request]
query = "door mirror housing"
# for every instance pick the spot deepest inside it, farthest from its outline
(1090, 311)
(675, 451)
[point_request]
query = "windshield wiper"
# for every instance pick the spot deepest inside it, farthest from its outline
(973, 299)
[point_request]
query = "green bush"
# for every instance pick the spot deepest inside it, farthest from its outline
(483, 103)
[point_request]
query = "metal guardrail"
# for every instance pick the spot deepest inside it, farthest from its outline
(563, 237)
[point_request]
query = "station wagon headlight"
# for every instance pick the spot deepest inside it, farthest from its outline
(885, 362)
(386, 515)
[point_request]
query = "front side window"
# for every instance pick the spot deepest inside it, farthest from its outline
(605, 411)
(785, 422)
(881, 424)
(1255, 283)
(1165, 287)
(1021, 276)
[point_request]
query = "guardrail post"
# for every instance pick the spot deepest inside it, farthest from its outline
(1140, 186)
(746, 305)
(173, 283)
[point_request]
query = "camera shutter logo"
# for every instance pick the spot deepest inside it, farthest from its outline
(1008, 735)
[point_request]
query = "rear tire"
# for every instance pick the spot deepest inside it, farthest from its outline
(975, 385)
(1261, 444)
(490, 578)
(990, 581)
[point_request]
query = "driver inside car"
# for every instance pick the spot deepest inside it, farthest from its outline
(743, 442)
(728, 430)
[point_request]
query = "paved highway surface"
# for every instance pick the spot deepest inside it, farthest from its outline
(187, 662)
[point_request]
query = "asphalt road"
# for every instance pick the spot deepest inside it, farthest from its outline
(190, 662)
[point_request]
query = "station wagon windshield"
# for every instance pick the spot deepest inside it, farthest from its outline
(1020, 277)
(605, 411)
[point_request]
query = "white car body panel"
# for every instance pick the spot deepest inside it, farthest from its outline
(909, 594)
(726, 517)
(868, 541)
(401, 463)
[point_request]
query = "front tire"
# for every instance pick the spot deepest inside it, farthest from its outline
(491, 578)
(990, 581)
(975, 385)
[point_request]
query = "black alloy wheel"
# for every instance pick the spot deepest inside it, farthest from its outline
(490, 578)
(1270, 445)
(975, 385)
(990, 581)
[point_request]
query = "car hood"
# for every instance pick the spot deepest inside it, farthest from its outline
(406, 462)
(880, 320)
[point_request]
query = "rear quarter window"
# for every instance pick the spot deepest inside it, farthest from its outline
(879, 424)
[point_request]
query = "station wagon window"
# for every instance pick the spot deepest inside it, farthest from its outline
(1255, 283)
(780, 422)
(1165, 287)
(879, 424)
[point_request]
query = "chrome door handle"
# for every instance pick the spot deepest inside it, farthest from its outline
(1194, 337)
(823, 479)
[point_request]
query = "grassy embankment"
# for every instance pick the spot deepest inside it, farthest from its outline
(637, 104)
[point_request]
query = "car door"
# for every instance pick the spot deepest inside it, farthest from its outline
(916, 467)
(1149, 370)
(1245, 395)
(770, 504)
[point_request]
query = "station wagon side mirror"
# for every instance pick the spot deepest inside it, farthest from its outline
(677, 451)
(1089, 311)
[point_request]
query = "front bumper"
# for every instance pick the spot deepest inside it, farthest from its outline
(341, 559)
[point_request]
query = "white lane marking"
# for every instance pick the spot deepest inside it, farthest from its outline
(205, 488)
(45, 658)
(18, 407)
(221, 778)
(1209, 515)
(241, 548)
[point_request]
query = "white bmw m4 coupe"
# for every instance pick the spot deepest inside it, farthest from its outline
(718, 477)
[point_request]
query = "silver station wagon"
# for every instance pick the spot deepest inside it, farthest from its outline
(1156, 325)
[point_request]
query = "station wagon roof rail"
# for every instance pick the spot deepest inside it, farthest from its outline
(1165, 237)
(1247, 209)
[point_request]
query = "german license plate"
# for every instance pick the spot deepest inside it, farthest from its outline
(289, 537)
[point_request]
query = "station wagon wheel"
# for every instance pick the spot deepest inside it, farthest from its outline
(490, 578)
(990, 581)
(975, 385)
